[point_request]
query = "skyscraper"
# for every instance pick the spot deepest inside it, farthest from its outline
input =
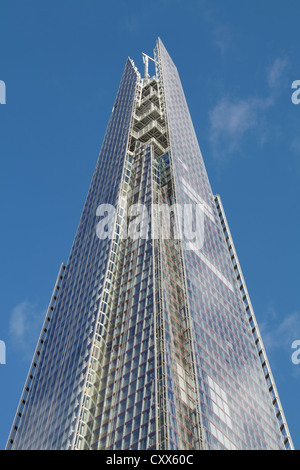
(150, 340)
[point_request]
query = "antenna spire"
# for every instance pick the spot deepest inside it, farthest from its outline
(146, 64)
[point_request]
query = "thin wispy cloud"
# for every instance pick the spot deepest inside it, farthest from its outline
(221, 33)
(232, 118)
(279, 335)
(24, 327)
(276, 72)
(131, 24)
(222, 37)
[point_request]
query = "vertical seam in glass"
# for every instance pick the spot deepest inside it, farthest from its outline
(80, 422)
(186, 300)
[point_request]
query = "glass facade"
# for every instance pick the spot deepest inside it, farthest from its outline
(150, 340)
(236, 406)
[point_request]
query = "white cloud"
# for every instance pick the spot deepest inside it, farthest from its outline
(131, 24)
(222, 37)
(281, 335)
(276, 72)
(221, 33)
(24, 327)
(232, 118)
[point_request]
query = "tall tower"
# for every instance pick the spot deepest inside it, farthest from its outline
(150, 340)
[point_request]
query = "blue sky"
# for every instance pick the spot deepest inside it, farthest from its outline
(61, 61)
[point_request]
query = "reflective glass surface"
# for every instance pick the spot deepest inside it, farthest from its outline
(52, 409)
(149, 344)
(236, 405)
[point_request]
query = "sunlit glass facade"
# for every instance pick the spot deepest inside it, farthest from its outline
(150, 342)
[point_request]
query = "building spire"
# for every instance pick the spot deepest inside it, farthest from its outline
(146, 65)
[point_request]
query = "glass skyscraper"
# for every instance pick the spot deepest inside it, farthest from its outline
(150, 340)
